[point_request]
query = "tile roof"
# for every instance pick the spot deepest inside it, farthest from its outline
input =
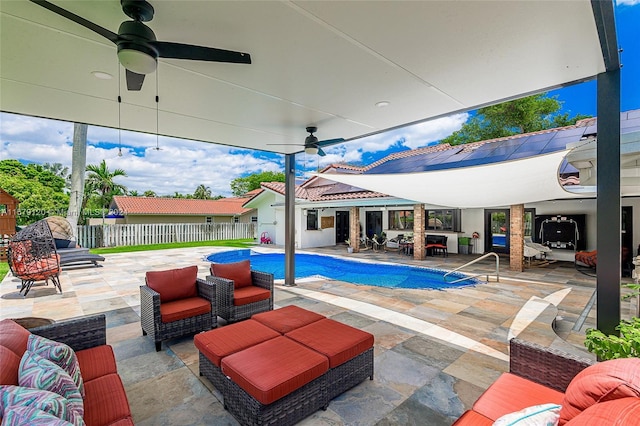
(333, 191)
(180, 206)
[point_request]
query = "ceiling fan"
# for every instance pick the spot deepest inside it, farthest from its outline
(138, 49)
(312, 145)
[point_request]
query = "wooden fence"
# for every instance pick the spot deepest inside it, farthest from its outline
(160, 233)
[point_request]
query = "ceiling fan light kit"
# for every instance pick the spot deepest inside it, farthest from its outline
(311, 150)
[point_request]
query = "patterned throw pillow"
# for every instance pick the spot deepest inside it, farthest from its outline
(60, 354)
(46, 401)
(20, 416)
(39, 373)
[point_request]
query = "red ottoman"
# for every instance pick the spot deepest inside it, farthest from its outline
(287, 382)
(214, 345)
(286, 319)
(350, 352)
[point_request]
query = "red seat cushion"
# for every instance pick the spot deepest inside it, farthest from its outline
(511, 393)
(283, 367)
(286, 319)
(471, 418)
(174, 284)
(238, 272)
(96, 362)
(13, 336)
(624, 411)
(604, 381)
(184, 308)
(9, 367)
(224, 341)
(105, 401)
(337, 341)
(250, 294)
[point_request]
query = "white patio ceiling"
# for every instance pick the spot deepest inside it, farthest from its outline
(323, 63)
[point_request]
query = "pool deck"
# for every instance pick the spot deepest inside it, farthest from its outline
(435, 351)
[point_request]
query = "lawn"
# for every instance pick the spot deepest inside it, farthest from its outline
(219, 243)
(4, 268)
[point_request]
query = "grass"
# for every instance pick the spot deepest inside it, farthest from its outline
(219, 243)
(4, 268)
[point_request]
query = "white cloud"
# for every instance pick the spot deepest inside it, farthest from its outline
(179, 166)
(627, 2)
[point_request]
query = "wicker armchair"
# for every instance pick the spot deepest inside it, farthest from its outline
(175, 303)
(240, 291)
(32, 256)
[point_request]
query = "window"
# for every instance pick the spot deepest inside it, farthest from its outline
(254, 219)
(236, 219)
(209, 219)
(312, 220)
(443, 220)
(401, 220)
(3, 209)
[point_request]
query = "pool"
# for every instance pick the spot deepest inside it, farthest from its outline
(352, 271)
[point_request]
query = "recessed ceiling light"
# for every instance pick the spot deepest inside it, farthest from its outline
(382, 104)
(102, 75)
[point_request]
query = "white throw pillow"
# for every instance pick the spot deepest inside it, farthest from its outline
(538, 415)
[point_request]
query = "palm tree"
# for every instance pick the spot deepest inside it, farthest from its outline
(202, 192)
(149, 193)
(100, 181)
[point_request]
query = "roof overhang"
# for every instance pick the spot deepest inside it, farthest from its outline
(323, 63)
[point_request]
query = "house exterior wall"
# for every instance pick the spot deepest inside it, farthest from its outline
(268, 219)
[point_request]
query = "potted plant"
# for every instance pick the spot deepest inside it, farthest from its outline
(626, 345)
(349, 248)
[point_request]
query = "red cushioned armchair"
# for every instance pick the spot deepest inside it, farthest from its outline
(240, 291)
(175, 303)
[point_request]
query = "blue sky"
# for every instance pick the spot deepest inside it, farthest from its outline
(36, 140)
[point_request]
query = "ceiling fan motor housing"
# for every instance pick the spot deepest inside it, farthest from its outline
(133, 40)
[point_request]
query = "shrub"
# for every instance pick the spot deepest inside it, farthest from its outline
(626, 345)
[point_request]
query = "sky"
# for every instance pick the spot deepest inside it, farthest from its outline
(38, 140)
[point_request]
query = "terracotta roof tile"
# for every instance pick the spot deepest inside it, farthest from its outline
(180, 206)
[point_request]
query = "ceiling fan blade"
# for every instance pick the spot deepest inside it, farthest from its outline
(321, 153)
(330, 142)
(199, 53)
(134, 81)
(113, 37)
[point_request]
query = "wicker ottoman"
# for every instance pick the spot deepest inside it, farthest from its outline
(216, 344)
(286, 319)
(284, 387)
(349, 350)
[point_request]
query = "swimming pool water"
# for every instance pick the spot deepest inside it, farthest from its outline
(375, 274)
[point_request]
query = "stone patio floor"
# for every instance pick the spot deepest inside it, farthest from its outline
(435, 351)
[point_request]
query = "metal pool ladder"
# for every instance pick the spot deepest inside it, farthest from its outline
(471, 263)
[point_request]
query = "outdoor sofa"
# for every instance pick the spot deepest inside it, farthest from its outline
(58, 385)
(544, 385)
(283, 365)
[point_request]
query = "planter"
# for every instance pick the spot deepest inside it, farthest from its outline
(349, 249)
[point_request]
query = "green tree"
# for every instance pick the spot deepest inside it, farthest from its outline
(525, 115)
(149, 193)
(202, 192)
(40, 192)
(242, 185)
(59, 170)
(133, 193)
(100, 183)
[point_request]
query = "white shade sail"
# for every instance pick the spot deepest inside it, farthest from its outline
(521, 181)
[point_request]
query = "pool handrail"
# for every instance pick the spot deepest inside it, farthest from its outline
(444, 277)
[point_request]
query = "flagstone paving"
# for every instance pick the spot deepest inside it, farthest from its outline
(435, 351)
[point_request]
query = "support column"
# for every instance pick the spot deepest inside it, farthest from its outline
(354, 228)
(608, 221)
(516, 238)
(418, 232)
(289, 220)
